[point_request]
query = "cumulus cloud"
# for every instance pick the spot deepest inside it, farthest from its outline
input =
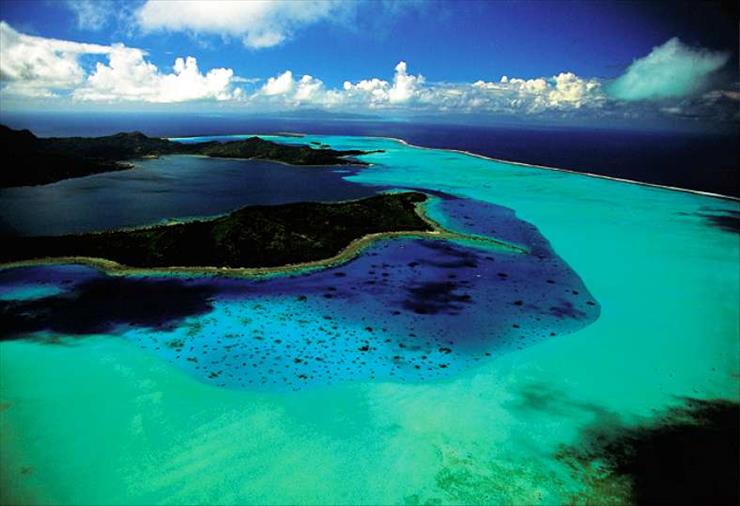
(129, 77)
(407, 92)
(279, 85)
(672, 70)
(41, 67)
(563, 92)
(284, 89)
(308, 88)
(259, 23)
(378, 92)
(36, 66)
(405, 86)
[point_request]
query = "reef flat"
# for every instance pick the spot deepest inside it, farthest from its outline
(31, 160)
(255, 236)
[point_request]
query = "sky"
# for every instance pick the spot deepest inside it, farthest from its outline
(590, 62)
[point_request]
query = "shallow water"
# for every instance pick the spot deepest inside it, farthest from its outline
(100, 417)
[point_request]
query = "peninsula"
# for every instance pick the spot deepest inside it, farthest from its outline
(31, 160)
(250, 237)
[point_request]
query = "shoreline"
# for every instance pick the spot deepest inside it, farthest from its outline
(350, 163)
(350, 251)
(525, 164)
(568, 171)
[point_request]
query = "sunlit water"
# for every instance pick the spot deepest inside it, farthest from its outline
(305, 388)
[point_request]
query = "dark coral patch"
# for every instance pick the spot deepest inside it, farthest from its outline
(435, 297)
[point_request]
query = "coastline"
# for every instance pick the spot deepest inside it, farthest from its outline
(569, 171)
(354, 248)
(350, 163)
(347, 253)
(536, 166)
(511, 162)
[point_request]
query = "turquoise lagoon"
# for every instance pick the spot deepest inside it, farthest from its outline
(639, 286)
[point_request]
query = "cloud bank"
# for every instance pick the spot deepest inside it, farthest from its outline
(668, 82)
(672, 70)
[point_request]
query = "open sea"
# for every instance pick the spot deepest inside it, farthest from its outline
(706, 162)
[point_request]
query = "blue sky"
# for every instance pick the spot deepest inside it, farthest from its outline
(596, 59)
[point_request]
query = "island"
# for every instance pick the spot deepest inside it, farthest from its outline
(250, 237)
(32, 160)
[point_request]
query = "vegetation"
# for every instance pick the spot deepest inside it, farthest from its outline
(31, 160)
(257, 148)
(257, 236)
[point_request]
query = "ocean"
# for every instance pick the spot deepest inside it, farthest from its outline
(704, 162)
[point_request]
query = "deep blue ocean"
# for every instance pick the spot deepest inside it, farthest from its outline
(706, 162)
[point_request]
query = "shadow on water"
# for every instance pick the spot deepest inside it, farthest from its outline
(688, 454)
(728, 221)
(101, 305)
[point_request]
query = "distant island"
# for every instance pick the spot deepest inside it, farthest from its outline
(250, 237)
(31, 160)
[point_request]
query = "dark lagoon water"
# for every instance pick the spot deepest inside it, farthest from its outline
(169, 187)
(699, 161)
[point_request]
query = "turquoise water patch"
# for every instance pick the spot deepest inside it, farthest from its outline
(28, 292)
(29, 284)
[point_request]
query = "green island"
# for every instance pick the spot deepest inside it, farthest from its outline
(250, 237)
(32, 160)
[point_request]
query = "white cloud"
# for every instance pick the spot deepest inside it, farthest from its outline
(373, 92)
(672, 70)
(259, 23)
(308, 89)
(40, 67)
(378, 92)
(405, 86)
(572, 91)
(279, 85)
(563, 92)
(129, 77)
(36, 66)
(284, 87)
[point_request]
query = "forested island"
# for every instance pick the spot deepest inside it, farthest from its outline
(250, 237)
(31, 160)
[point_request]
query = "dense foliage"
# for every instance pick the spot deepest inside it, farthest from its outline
(32, 160)
(257, 236)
